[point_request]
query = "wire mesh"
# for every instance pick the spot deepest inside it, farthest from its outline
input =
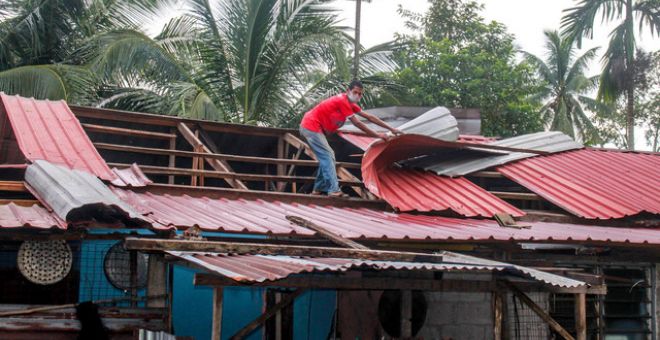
(522, 322)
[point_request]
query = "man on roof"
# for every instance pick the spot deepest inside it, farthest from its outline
(326, 118)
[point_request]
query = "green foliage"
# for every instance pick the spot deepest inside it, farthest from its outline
(461, 61)
(565, 88)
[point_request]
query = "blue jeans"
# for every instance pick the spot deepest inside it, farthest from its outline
(326, 180)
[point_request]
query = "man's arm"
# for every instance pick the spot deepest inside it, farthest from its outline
(378, 122)
(366, 129)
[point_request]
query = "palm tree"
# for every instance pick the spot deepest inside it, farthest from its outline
(39, 40)
(616, 78)
(565, 87)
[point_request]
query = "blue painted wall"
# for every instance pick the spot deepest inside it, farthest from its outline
(312, 314)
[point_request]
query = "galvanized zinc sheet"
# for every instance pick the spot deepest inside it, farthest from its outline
(263, 217)
(35, 216)
(261, 268)
(77, 195)
(48, 130)
(363, 141)
(593, 183)
(461, 164)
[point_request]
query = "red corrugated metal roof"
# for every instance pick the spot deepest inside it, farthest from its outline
(362, 141)
(35, 216)
(131, 176)
(270, 218)
(593, 183)
(409, 190)
(48, 130)
(260, 268)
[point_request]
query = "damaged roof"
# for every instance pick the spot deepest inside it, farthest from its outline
(34, 216)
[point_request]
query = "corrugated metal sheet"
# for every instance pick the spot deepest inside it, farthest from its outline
(261, 268)
(362, 141)
(35, 216)
(595, 184)
(409, 190)
(464, 163)
(131, 176)
(48, 130)
(263, 217)
(77, 195)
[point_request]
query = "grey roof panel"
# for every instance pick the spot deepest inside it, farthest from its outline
(76, 195)
(461, 163)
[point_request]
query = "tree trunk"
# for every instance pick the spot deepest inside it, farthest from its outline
(630, 118)
(356, 52)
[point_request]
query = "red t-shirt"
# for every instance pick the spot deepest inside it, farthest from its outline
(330, 114)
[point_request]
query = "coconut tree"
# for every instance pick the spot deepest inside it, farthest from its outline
(616, 77)
(566, 86)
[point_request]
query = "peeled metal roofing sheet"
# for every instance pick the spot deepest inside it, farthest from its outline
(262, 217)
(48, 130)
(409, 190)
(261, 268)
(464, 164)
(131, 176)
(35, 216)
(592, 183)
(70, 193)
(363, 141)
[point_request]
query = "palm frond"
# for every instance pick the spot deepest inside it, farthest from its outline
(578, 22)
(72, 83)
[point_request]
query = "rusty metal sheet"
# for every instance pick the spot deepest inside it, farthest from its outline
(48, 130)
(261, 268)
(77, 195)
(130, 177)
(264, 217)
(593, 183)
(35, 216)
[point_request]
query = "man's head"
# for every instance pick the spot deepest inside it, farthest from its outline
(354, 91)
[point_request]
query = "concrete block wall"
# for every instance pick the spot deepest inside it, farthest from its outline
(458, 316)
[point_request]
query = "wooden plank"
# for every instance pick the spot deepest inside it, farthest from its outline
(256, 323)
(15, 186)
(281, 168)
(216, 328)
(526, 196)
(21, 202)
(127, 132)
(342, 172)
(486, 174)
(337, 239)
(157, 281)
(539, 311)
(581, 316)
(133, 243)
(498, 314)
(354, 283)
(217, 164)
(161, 170)
(172, 159)
(226, 157)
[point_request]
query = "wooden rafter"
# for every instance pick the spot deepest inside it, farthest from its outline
(219, 165)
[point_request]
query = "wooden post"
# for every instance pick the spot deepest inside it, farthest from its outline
(133, 267)
(216, 330)
(157, 281)
(281, 168)
(172, 161)
(498, 314)
(406, 314)
(581, 316)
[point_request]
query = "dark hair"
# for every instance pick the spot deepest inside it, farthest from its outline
(355, 83)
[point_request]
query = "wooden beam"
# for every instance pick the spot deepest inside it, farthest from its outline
(127, 132)
(226, 157)
(21, 202)
(353, 283)
(486, 174)
(337, 239)
(581, 316)
(15, 186)
(342, 172)
(172, 159)
(539, 311)
(526, 196)
(157, 281)
(256, 323)
(201, 149)
(152, 245)
(498, 314)
(216, 328)
(161, 170)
